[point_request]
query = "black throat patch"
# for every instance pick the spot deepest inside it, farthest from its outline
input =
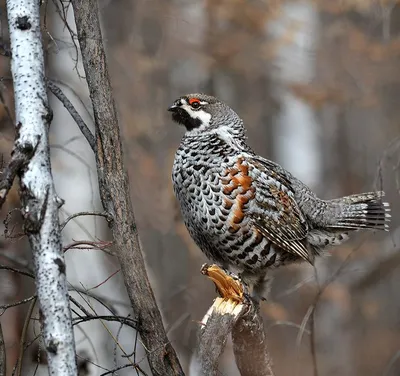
(182, 117)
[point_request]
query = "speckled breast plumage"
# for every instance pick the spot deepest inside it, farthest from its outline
(218, 197)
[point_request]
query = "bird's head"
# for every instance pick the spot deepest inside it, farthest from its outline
(201, 113)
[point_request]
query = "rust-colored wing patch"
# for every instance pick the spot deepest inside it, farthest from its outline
(239, 190)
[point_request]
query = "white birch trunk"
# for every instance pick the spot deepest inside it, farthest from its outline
(296, 141)
(40, 202)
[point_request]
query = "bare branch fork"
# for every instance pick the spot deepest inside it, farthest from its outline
(40, 203)
(234, 312)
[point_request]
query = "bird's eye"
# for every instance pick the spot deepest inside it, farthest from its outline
(194, 102)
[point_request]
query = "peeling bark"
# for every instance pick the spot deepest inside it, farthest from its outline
(40, 202)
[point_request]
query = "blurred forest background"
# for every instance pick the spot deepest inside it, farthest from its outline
(318, 86)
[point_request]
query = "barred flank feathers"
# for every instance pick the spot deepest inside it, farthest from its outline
(362, 211)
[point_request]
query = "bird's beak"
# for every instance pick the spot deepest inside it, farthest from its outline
(172, 108)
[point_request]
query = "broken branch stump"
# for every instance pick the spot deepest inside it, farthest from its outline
(236, 313)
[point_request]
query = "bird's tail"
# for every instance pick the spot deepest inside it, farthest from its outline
(361, 211)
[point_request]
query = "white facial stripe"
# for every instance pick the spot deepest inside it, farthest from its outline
(203, 102)
(183, 102)
(205, 117)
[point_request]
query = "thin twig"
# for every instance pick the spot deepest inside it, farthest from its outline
(4, 307)
(100, 214)
(91, 245)
(32, 341)
(313, 344)
(74, 113)
(121, 325)
(127, 321)
(106, 327)
(79, 305)
(118, 368)
(301, 332)
(23, 336)
(104, 281)
(91, 362)
(287, 323)
(62, 12)
(105, 302)
(15, 270)
(2, 353)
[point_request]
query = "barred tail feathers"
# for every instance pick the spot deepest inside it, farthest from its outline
(362, 211)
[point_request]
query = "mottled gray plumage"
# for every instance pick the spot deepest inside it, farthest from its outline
(247, 213)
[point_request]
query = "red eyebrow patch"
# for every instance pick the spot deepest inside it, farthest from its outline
(194, 100)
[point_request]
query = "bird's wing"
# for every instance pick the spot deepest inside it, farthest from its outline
(273, 209)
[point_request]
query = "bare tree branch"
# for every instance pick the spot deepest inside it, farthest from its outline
(113, 371)
(39, 199)
(86, 244)
(2, 354)
(123, 320)
(23, 337)
(100, 214)
(15, 270)
(3, 307)
(72, 111)
(115, 193)
(233, 312)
